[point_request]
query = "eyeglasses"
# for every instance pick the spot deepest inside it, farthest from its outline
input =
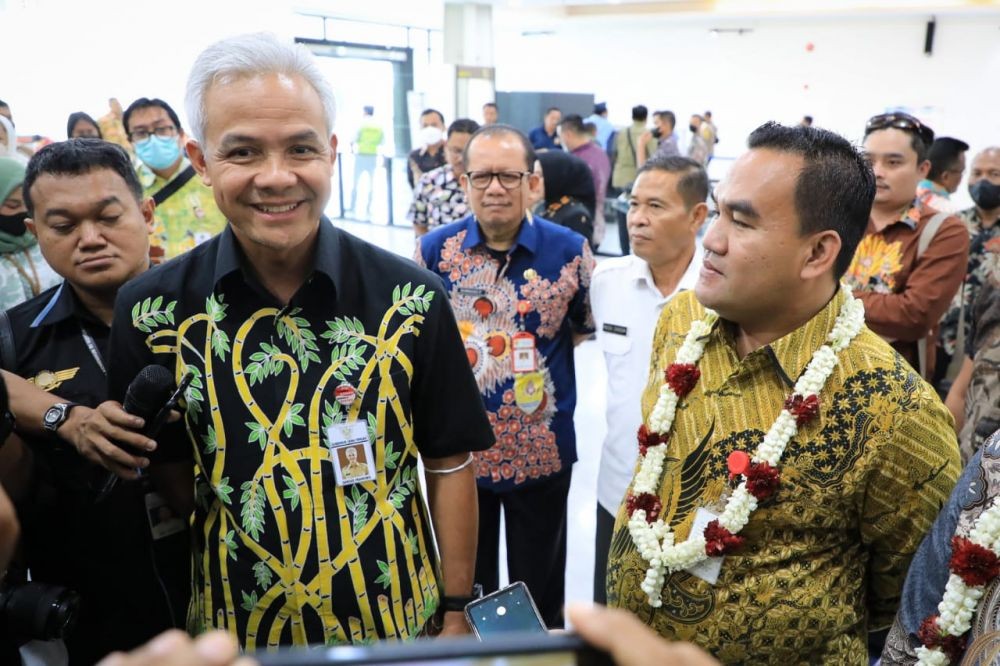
(901, 121)
(508, 179)
(163, 132)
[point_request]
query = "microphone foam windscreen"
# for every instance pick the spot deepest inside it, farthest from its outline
(149, 391)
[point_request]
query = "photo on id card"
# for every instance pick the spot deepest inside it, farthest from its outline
(351, 452)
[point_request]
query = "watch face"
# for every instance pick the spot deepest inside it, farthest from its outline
(52, 415)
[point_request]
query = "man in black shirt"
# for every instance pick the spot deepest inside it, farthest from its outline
(303, 341)
(85, 205)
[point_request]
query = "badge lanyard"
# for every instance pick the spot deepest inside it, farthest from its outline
(94, 351)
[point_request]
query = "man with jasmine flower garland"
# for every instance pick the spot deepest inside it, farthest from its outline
(952, 592)
(780, 436)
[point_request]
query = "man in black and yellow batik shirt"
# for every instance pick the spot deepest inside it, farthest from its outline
(304, 342)
(823, 559)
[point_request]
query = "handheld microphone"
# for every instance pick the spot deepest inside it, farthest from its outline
(148, 395)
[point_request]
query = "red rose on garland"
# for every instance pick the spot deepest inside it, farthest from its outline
(972, 563)
(720, 541)
(930, 635)
(762, 480)
(803, 409)
(648, 502)
(682, 377)
(649, 439)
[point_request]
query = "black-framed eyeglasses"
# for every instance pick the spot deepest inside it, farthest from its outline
(164, 132)
(900, 121)
(508, 179)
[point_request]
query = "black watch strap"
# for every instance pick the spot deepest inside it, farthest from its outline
(449, 604)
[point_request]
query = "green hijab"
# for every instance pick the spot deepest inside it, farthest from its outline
(11, 176)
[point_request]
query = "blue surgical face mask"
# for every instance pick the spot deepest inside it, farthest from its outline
(158, 152)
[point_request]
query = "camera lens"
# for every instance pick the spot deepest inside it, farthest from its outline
(36, 611)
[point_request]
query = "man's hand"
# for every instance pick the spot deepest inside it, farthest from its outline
(94, 433)
(629, 641)
(645, 138)
(175, 648)
(454, 624)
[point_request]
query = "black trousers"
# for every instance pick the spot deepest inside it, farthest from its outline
(535, 520)
(602, 544)
(623, 233)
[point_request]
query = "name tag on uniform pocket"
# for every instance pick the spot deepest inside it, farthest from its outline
(351, 452)
(615, 329)
(162, 521)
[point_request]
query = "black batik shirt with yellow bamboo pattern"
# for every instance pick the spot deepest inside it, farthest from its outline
(282, 555)
(825, 557)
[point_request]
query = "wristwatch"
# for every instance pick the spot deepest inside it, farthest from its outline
(459, 603)
(56, 415)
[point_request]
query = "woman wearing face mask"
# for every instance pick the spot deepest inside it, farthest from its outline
(23, 271)
(569, 192)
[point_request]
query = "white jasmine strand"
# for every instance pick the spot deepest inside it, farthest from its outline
(653, 540)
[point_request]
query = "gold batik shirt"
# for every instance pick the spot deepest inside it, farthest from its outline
(825, 557)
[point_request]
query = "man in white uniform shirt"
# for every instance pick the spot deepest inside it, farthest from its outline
(666, 209)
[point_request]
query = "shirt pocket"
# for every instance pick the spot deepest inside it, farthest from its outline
(615, 344)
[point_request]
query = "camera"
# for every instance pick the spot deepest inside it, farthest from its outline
(36, 611)
(657, 133)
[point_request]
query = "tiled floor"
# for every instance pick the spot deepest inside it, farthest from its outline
(590, 428)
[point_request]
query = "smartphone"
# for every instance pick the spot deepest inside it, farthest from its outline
(510, 610)
(515, 649)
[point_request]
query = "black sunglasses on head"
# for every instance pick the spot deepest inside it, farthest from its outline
(900, 121)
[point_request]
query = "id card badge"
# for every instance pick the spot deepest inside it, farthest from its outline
(529, 391)
(351, 452)
(708, 569)
(523, 357)
(163, 522)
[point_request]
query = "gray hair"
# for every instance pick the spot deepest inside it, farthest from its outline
(246, 56)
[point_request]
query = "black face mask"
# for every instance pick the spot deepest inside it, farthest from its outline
(985, 194)
(692, 128)
(13, 224)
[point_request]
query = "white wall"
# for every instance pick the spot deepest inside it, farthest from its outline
(859, 67)
(60, 56)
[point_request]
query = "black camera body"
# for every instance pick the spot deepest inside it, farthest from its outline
(35, 611)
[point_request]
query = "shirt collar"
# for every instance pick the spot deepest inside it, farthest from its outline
(230, 257)
(639, 272)
(61, 306)
(928, 185)
(147, 178)
(792, 353)
(919, 209)
(971, 217)
(527, 235)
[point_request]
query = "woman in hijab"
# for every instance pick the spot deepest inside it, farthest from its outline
(23, 271)
(8, 138)
(80, 125)
(570, 199)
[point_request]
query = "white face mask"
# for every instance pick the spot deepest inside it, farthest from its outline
(430, 135)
